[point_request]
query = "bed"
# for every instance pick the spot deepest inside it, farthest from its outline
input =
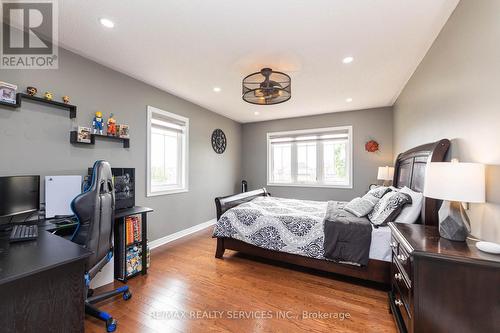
(303, 247)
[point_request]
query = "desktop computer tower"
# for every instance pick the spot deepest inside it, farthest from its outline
(124, 180)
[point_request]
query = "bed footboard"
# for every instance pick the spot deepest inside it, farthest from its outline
(225, 203)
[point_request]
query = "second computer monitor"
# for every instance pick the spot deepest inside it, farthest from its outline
(19, 194)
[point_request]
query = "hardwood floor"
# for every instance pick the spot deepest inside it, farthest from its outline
(185, 278)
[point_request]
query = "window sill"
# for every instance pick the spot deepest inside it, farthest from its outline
(311, 185)
(167, 192)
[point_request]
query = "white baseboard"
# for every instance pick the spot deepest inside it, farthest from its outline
(179, 234)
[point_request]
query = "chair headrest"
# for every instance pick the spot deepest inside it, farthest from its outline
(101, 178)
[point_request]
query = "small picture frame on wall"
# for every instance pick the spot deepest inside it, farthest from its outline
(8, 92)
(84, 134)
(123, 131)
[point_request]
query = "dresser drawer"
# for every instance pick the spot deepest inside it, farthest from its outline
(399, 281)
(402, 257)
(398, 304)
(394, 246)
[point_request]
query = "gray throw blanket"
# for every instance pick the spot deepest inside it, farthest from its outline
(347, 237)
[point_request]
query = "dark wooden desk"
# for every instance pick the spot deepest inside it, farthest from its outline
(440, 285)
(42, 285)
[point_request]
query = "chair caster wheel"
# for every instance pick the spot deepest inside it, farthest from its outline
(127, 295)
(111, 325)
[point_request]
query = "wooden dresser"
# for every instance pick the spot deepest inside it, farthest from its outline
(442, 286)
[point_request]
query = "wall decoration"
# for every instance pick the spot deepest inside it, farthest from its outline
(111, 130)
(48, 95)
(98, 122)
(372, 146)
(8, 92)
(123, 131)
(32, 91)
(219, 141)
(65, 99)
(84, 134)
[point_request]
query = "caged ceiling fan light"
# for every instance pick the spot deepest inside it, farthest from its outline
(267, 87)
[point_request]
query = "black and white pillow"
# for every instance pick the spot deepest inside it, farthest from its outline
(389, 207)
(359, 207)
(376, 194)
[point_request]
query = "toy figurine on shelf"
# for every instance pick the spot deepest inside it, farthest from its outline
(98, 122)
(111, 126)
(48, 96)
(31, 91)
(65, 99)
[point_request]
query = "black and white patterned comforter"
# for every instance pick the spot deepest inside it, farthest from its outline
(286, 225)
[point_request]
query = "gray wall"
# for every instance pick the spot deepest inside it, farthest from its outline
(35, 139)
(367, 124)
(454, 93)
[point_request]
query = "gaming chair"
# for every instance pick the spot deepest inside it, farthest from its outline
(94, 209)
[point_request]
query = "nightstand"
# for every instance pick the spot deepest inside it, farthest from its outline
(439, 285)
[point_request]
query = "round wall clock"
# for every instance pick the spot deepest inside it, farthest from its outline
(219, 141)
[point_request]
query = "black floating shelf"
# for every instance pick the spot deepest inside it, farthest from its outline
(73, 135)
(21, 96)
(69, 107)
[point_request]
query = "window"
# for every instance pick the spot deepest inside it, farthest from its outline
(167, 152)
(317, 158)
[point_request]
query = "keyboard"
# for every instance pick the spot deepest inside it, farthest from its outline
(21, 232)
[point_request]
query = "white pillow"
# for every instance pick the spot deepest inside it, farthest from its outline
(411, 212)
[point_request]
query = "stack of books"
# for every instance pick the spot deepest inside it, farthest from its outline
(134, 260)
(133, 229)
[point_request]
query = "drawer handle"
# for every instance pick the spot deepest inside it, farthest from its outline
(398, 276)
(398, 302)
(394, 245)
(402, 257)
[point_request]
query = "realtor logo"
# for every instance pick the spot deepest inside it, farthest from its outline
(29, 35)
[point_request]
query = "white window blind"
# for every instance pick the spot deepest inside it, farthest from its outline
(316, 157)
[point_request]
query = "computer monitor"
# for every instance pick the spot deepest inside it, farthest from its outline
(19, 194)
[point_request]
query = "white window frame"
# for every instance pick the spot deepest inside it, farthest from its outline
(349, 158)
(185, 153)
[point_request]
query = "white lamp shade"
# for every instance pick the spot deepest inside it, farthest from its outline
(385, 173)
(455, 181)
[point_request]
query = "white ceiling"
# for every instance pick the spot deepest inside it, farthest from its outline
(187, 47)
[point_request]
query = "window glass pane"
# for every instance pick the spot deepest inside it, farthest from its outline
(171, 159)
(306, 162)
(165, 157)
(335, 161)
(157, 158)
(282, 170)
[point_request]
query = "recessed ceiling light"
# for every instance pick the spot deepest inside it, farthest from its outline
(348, 100)
(256, 113)
(107, 22)
(217, 89)
(347, 60)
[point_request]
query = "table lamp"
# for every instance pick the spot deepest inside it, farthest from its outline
(386, 174)
(454, 183)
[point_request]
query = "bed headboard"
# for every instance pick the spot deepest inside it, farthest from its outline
(409, 171)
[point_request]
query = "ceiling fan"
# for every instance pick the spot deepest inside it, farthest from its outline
(266, 87)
